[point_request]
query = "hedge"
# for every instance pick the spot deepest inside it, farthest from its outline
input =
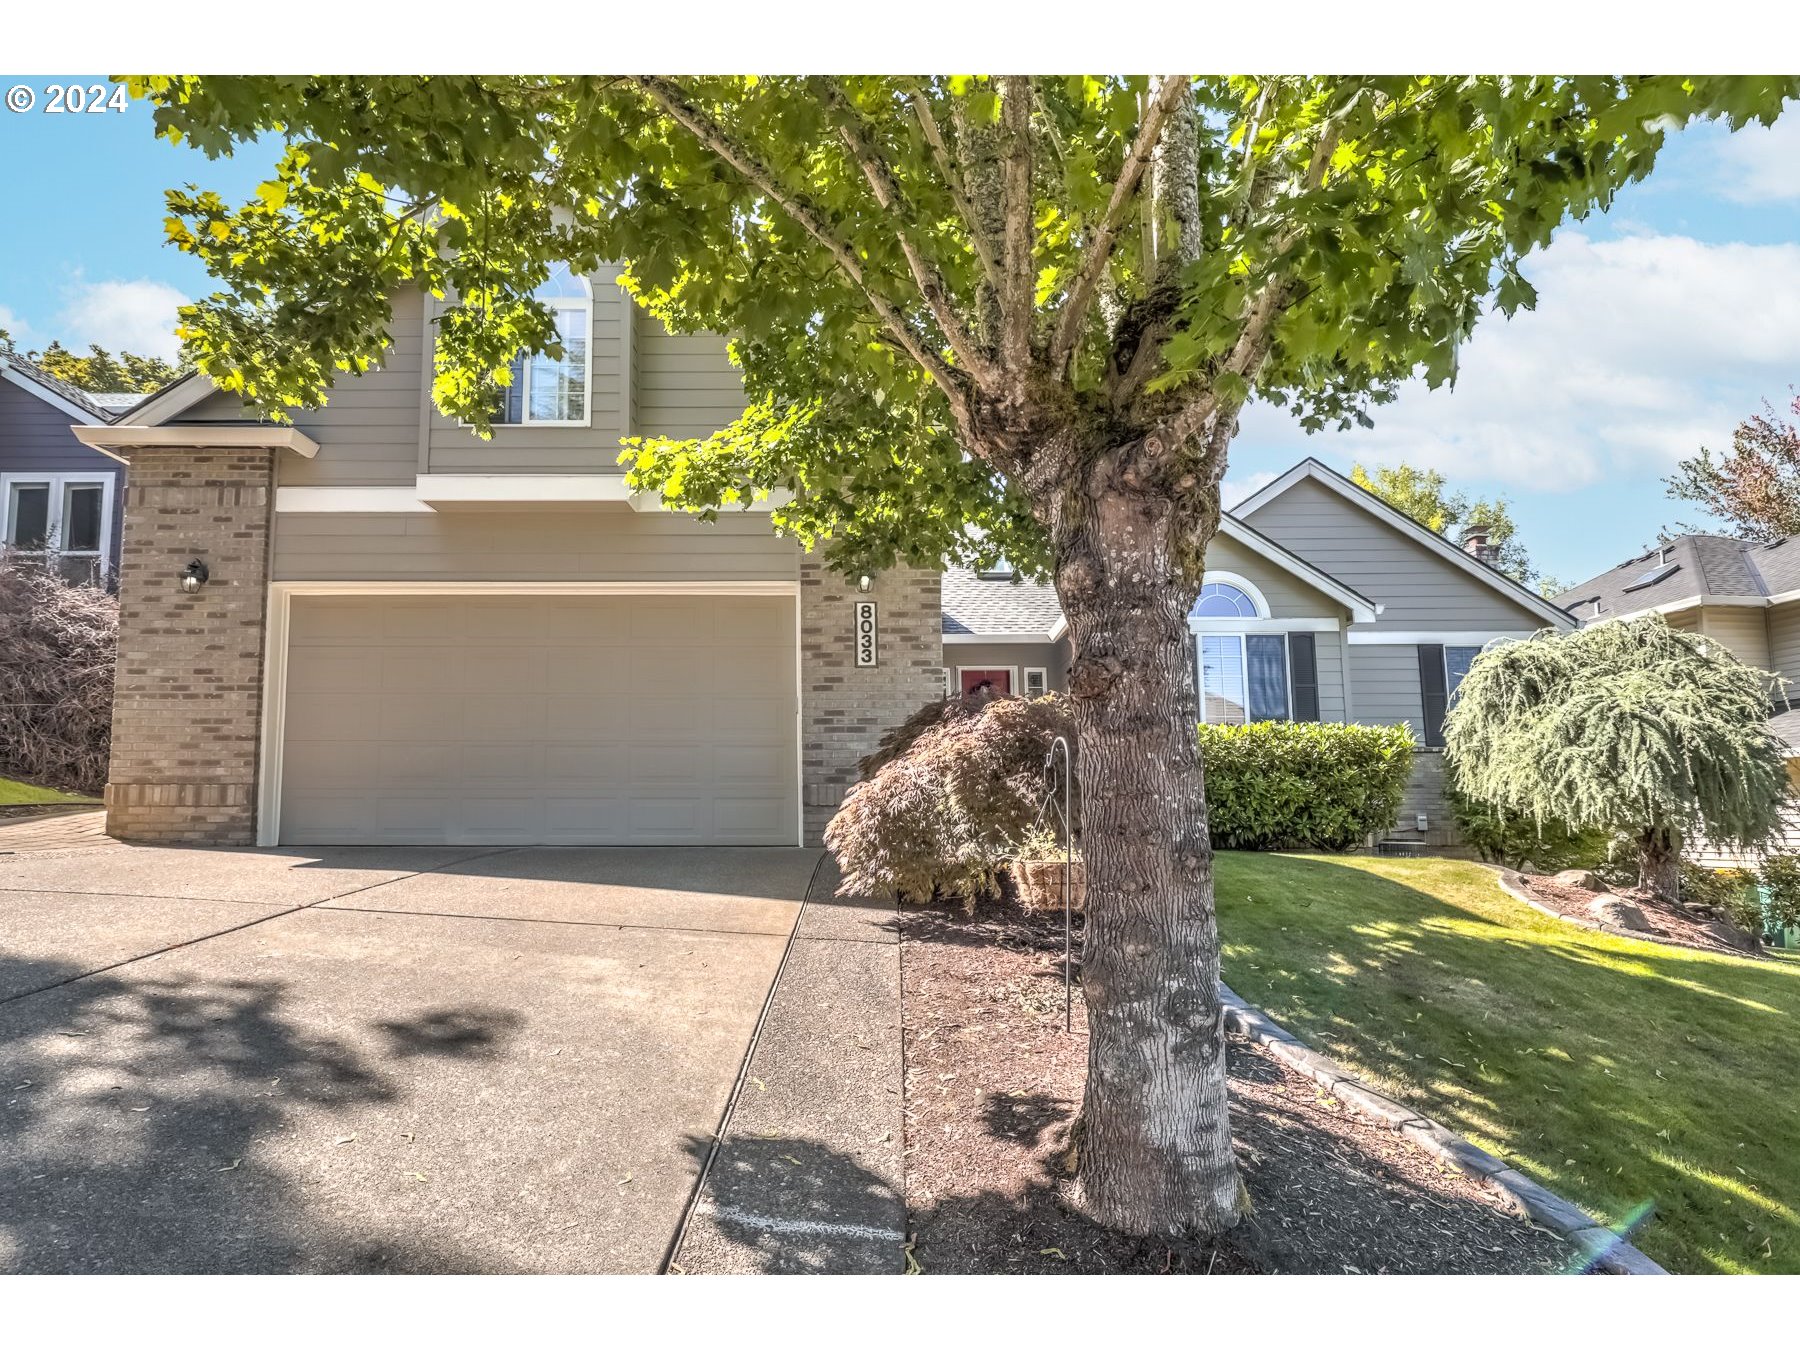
(1303, 785)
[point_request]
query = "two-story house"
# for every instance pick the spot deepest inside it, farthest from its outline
(373, 626)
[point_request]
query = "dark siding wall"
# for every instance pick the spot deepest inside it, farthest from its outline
(35, 438)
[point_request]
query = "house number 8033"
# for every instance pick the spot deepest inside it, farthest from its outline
(867, 644)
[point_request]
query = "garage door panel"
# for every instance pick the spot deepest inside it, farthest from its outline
(517, 719)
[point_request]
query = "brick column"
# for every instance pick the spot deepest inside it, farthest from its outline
(187, 710)
(846, 708)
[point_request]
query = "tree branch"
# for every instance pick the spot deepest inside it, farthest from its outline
(892, 199)
(1019, 276)
(1093, 267)
(940, 152)
(669, 96)
(1258, 336)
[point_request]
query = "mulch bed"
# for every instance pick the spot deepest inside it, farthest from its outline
(992, 1082)
(1667, 923)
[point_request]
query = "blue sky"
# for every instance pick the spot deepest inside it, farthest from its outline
(1659, 325)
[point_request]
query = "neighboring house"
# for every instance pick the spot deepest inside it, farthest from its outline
(60, 501)
(1745, 597)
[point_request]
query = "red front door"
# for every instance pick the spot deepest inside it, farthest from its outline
(1000, 681)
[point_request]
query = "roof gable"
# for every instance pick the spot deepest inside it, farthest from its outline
(64, 397)
(1340, 488)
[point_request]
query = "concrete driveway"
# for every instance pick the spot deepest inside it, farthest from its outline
(372, 1059)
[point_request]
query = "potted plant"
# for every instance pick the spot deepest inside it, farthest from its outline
(1037, 870)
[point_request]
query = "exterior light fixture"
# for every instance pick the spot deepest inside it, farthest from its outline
(865, 584)
(194, 576)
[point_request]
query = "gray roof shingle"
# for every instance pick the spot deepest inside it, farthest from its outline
(998, 607)
(81, 398)
(1701, 565)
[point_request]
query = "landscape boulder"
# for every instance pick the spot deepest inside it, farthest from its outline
(1611, 910)
(1579, 879)
(1731, 935)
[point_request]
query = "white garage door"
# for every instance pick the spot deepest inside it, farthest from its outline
(540, 720)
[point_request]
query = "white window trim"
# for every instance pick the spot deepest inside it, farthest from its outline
(560, 305)
(275, 647)
(1413, 637)
(1244, 584)
(59, 485)
(1043, 674)
(1240, 634)
(1012, 676)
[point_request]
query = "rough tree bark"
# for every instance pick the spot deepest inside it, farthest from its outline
(1154, 1152)
(1659, 862)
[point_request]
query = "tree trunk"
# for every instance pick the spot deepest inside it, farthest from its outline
(1659, 863)
(1155, 1153)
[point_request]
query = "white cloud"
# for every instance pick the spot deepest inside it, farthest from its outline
(134, 316)
(1640, 350)
(1234, 490)
(15, 325)
(1762, 164)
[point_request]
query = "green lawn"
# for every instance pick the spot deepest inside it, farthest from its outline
(1615, 1072)
(13, 793)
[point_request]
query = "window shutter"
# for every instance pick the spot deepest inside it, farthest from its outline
(1431, 691)
(1303, 663)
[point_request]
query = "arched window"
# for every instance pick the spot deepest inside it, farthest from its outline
(553, 389)
(1222, 600)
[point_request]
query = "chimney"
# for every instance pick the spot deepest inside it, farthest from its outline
(1475, 544)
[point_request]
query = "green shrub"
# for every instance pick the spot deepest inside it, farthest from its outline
(1730, 891)
(946, 798)
(1780, 878)
(1303, 785)
(1513, 840)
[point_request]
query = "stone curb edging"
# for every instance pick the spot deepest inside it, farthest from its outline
(1510, 882)
(1607, 1251)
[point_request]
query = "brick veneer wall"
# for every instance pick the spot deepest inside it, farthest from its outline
(844, 709)
(188, 703)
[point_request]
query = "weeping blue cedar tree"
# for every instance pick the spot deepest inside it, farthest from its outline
(1031, 305)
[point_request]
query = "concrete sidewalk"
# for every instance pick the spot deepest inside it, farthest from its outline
(807, 1178)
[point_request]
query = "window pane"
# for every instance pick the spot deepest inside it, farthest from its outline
(81, 518)
(1221, 600)
(1222, 678)
(28, 519)
(1457, 661)
(512, 397)
(79, 569)
(559, 387)
(1268, 677)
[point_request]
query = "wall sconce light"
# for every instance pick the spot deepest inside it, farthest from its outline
(865, 584)
(194, 576)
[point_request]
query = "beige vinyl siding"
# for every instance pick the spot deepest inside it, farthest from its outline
(599, 544)
(368, 429)
(1419, 588)
(1741, 630)
(684, 384)
(453, 448)
(1784, 644)
(1785, 839)
(1384, 686)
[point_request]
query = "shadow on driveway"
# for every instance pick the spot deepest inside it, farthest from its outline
(133, 1114)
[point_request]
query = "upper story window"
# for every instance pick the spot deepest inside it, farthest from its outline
(547, 390)
(58, 521)
(1222, 600)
